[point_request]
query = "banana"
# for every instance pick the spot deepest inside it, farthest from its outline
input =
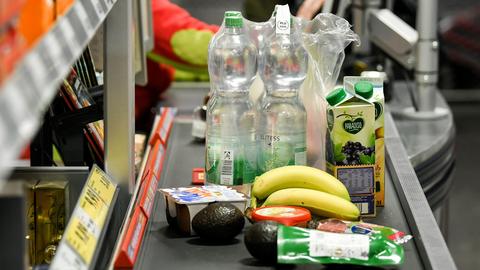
(320, 203)
(297, 177)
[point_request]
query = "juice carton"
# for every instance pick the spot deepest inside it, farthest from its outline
(378, 101)
(351, 146)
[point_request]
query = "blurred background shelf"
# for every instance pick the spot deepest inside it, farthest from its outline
(29, 90)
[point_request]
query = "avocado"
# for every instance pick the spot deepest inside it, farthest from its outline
(261, 240)
(218, 222)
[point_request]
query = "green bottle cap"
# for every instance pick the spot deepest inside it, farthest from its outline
(336, 96)
(233, 19)
(364, 89)
(232, 14)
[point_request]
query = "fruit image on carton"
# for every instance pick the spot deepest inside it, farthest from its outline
(350, 146)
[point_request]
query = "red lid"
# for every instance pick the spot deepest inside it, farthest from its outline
(287, 215)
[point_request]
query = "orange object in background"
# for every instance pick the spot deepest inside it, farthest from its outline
(36, 18)
(11, 49)
(61, 6)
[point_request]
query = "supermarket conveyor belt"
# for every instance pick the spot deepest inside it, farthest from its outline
(408, 212)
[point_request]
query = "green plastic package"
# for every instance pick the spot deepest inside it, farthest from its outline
(306, 246)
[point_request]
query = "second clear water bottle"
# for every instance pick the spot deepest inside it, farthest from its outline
(230, 139)
(282, 118)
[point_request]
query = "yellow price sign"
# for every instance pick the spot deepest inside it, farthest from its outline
(93, 206)
(81, 240)
(102, 185)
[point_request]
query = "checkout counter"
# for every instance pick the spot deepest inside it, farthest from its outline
(410, 151)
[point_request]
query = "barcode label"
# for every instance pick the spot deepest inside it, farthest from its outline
(363, 207)
(226, 177)
(327, 244)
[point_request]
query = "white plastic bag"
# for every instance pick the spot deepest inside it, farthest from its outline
(325, 38)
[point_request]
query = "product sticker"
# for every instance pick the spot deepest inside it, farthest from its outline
(226, 177)
(325, 244)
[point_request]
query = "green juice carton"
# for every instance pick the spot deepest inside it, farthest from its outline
(350, 149)
(363, 86)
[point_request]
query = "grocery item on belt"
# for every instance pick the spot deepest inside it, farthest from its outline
(303, 186)
(351, 146)
(218, 222)
(230, 138)
(286, 215)
(272, 242)
(354, 227)
(182, 204)
(282, 119)
(305, 246)
(372, 90)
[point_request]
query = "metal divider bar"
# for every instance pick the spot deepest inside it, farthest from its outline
(428, 238)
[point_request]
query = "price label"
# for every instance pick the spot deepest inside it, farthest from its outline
(101, 184)
(94, 207)
(87, 221)
(81, 240)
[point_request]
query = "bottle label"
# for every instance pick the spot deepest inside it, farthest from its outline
(231, 164)
(282, 20)
(226, 176)
(326, 244)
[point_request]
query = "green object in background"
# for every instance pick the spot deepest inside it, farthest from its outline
(305, 246)
(189, 76)
(191, 45)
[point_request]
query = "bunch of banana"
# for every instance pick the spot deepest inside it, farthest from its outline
(304, 186)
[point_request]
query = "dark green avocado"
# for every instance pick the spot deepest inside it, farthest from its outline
(261, 240)
(218, 222)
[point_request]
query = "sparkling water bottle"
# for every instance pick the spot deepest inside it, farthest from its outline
(230, 140)
(282, 119)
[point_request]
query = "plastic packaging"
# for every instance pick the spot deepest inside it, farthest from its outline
(281, 116)
(324, 38)
(286, 215)
(230, 140)
(305, 246)
(354, 227)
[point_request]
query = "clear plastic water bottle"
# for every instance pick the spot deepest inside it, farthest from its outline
(230, 140)
(282, 119)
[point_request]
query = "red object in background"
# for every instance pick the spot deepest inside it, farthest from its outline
(25, 153)
(132, 241)
(9, 9)
(11, 49)
(160, 77)
(168, 19)
(198, 176)
(146, 196)
(286, 215)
